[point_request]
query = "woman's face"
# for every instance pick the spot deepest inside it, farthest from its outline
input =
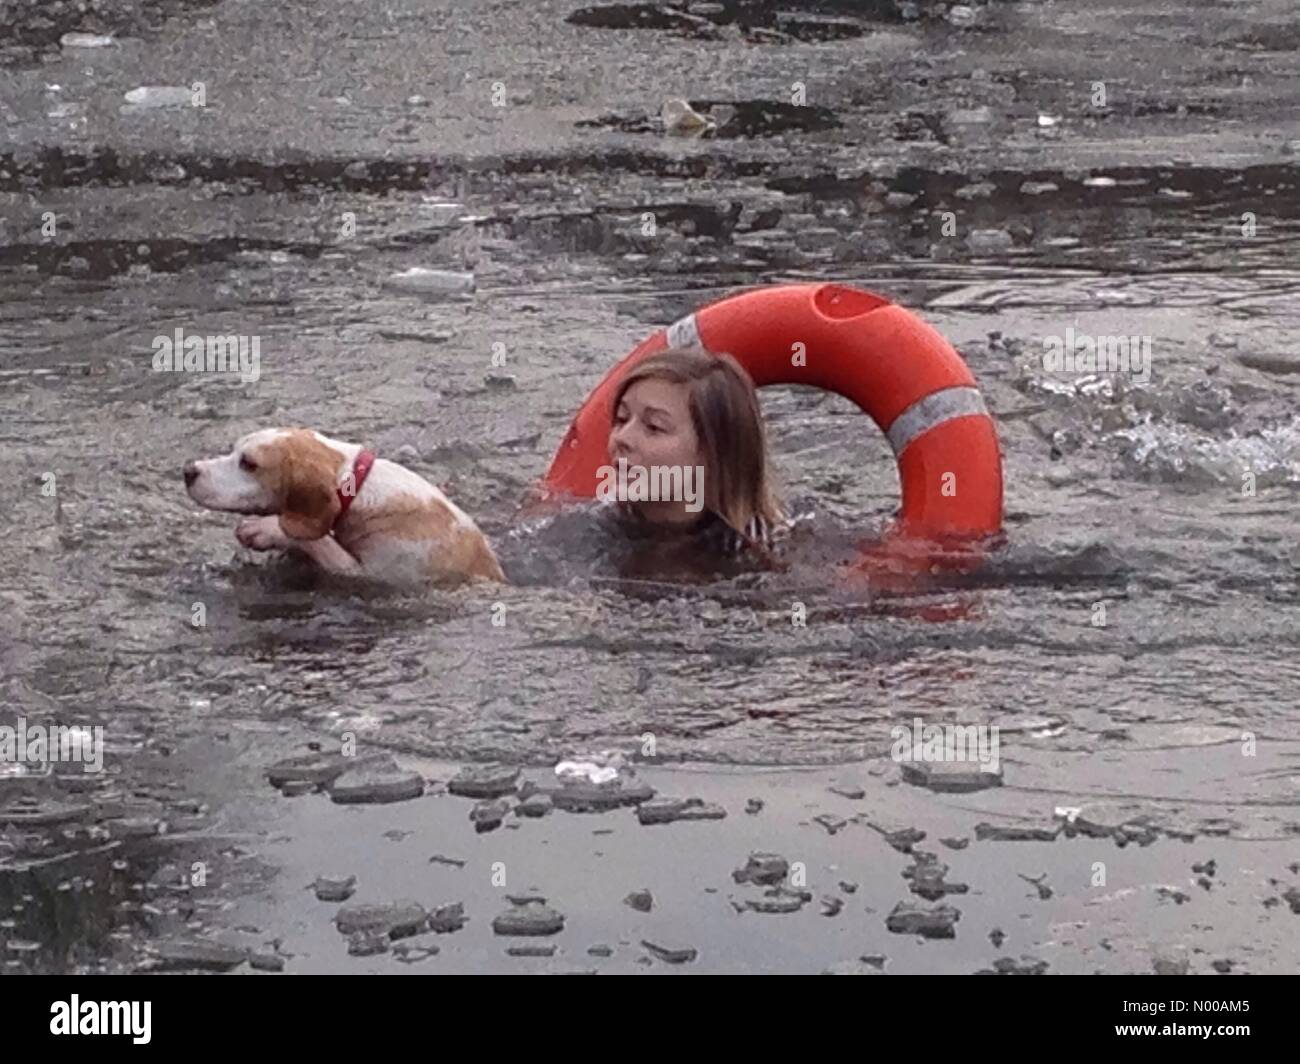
(653, 426)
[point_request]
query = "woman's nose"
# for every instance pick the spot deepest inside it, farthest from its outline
(621, 437)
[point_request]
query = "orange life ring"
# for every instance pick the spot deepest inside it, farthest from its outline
(898, 369)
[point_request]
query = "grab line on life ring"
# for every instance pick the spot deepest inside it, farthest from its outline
(895, 367)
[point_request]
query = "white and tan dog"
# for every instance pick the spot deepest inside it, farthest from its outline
(347, 510)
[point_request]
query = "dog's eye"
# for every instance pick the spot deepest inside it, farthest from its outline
(247, 463)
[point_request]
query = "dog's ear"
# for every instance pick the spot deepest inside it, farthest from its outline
(311, 501)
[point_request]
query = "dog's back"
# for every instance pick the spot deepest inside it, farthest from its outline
(402, 523)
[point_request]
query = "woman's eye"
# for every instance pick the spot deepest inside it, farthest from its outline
(247, 463)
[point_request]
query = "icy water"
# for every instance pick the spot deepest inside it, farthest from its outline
(1164, 509)
(1142, 618)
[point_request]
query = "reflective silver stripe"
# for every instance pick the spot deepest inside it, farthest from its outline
(684, 333)
(932, 411)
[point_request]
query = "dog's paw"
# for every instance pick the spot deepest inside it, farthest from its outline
(261, 533)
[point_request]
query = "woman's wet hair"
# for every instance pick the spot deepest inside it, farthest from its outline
(729, 426)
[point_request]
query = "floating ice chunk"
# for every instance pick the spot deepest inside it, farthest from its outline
(419, 280)
(444, 212)
(586, 770)
(597, 768)
(148, 96)
(970, 116)
(85, 40)
(680, 119)
(721, 114)
(987, 241)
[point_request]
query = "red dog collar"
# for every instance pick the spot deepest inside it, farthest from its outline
(353, 480)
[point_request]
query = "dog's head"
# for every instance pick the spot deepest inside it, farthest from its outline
(290, 472)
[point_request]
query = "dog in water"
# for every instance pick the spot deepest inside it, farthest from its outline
(346, 509)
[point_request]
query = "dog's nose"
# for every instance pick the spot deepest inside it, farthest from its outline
(190, 473)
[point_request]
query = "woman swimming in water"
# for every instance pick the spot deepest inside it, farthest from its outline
(692, 419)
